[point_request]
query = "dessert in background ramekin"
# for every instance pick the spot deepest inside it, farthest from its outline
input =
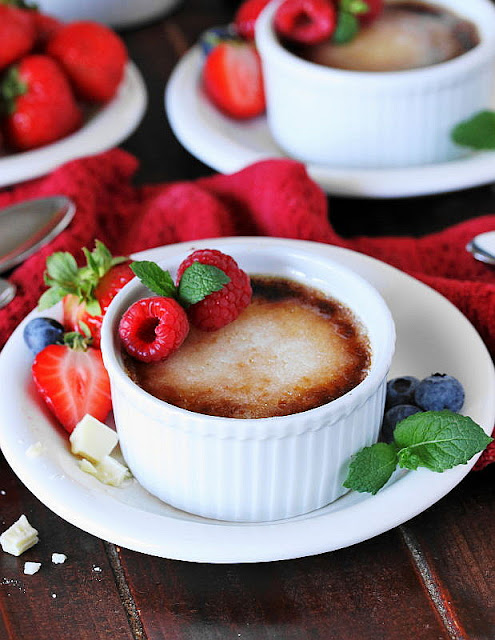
(257, 469)
(376, 119)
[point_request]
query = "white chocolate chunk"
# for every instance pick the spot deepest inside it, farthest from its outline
(35, 450)
(30, 568)
(19, 537)
(109, 471)
(58, 558)
(92, 439)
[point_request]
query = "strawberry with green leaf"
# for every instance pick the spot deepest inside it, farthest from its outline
(72, 380)
(87, 291)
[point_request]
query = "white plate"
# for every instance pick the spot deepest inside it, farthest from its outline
(106, 128)
(228, 145)
(432, 335)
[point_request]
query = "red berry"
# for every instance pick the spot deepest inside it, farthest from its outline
(93, 56)
(42, 107)
(17, 34)
(375, 9)
(153, 328)
(246, 16)
(72, 383)
(221, 307)
(46, 27)
(233, 80)
(306, 21)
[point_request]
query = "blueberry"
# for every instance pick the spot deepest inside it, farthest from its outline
(41, 332)
(210, 38)
(401, 391)
(394, 415)
(439, 391)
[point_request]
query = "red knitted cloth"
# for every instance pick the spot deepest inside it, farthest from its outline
(271, 198)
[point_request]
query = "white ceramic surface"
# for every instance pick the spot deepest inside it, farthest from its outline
(375, 120)
(115, 13)
(107, 127)
(252, 470)
(228, 145)
(431, 336)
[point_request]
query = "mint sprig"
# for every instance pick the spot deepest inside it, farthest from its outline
(197, 281)
(436, 440)
(477, 132)
(347, 21)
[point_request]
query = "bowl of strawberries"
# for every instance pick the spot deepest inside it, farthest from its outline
(62, 88)
(374, 85)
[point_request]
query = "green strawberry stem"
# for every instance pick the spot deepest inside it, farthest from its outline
(11, 88)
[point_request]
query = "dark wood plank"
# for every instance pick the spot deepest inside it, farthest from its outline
(367, 592)
(455, 537)
(77, 600)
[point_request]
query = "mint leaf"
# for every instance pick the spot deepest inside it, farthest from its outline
(438, 440)
(356, 7)
(199, 280)
(371, 468)
(477, 132)
(346, 29)
(155, 278)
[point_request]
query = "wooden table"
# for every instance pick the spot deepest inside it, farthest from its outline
(429, 579)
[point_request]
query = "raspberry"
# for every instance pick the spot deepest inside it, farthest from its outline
(153, 328)
(221, 307)
(375, 7)
(306, 21)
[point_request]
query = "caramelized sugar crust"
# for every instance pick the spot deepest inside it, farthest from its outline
(291, 350)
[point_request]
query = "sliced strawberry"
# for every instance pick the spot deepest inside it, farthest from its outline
(85, 292)
(72, 382)
(233, 80)
(246, 16)
(153, 328)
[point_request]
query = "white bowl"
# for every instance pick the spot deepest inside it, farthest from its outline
(116, 13)
(390, 119)
(254, 469)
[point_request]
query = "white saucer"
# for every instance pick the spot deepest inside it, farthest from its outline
(228, 145)
(109, 126)
(432, 335)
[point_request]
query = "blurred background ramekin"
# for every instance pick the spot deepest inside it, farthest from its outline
(356, 119)
(119, 14)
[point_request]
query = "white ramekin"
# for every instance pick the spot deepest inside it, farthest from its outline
(255, 469)
(118, 14)
(358, 119)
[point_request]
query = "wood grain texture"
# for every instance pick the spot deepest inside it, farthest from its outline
(366, 592)
(76, 600)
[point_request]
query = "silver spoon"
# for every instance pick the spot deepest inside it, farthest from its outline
(24, 228)
(483, 247)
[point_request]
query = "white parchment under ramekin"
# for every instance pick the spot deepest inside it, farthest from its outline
(255, 469)
(378, 120)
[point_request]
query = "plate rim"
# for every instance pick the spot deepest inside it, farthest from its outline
(109, 126)
(222, 153)
(183, 537)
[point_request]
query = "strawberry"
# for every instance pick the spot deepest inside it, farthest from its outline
(40, 105)
(85, 292)
(246, 16)
(306, 21)
(72, 381)
(17, 34)
(220, 307)
(46, 27)
(153, 328)
(93, 56)
(232, 79)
